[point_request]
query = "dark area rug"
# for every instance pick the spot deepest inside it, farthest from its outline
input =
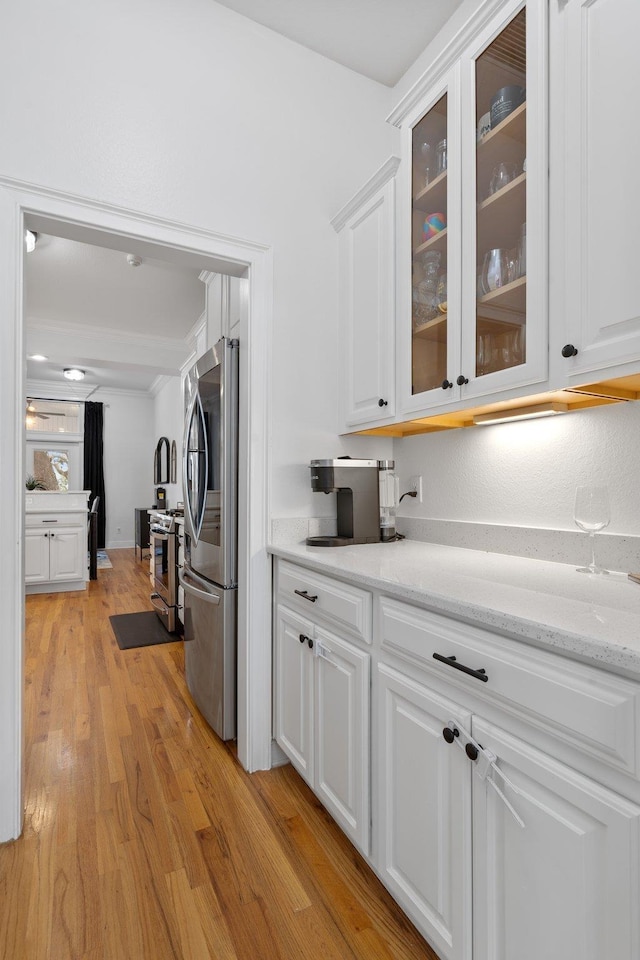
(140, 630)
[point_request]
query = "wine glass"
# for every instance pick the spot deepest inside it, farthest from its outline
(591, 513)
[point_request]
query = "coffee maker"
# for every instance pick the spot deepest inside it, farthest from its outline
(357, 486)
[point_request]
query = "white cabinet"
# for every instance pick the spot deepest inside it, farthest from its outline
(226, 305)
(424, 826)
(595, 201)
(547, 864)
(55, 555)
(472, 316)
(321, 708)
(564, 885)
(366, 229)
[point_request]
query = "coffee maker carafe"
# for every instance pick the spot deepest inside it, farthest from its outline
(356, 484)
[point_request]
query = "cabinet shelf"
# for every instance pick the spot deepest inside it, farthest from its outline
(511, 297)
(433, 329)
(434, 196)
(507, 142)
(500, 217)
(514, 126)
(439, 242)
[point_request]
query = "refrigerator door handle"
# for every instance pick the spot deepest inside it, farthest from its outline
(191, 588)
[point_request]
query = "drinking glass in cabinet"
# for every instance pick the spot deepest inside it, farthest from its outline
(503, 174)
(501, 192)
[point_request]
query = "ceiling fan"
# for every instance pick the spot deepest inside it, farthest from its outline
(32, 412)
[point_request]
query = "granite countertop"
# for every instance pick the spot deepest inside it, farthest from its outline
(595, 619)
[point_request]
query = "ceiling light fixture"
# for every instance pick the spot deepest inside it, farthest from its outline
(521, 413)
(73, 373)
(133, 260)
(30, 240)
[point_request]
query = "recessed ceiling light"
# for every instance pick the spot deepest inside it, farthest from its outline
(73, 373)
(37, 356)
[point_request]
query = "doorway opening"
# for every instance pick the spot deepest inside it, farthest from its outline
(175, 243)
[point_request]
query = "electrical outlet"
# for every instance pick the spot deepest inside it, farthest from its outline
(415, 483)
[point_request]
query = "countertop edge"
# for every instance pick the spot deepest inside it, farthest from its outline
(615, 658)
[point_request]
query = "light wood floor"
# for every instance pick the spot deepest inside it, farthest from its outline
(144, 839)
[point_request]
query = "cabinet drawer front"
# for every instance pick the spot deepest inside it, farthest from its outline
(53, 520)
(595, 711)
(337, 604)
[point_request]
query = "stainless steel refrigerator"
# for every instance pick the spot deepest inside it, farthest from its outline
(209, 575)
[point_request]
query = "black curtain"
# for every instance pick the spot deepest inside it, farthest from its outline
(93, 463)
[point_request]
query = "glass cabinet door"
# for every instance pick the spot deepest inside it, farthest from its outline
(501, 194)
(429, 247)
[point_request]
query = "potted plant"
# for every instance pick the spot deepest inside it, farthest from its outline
(32, 483)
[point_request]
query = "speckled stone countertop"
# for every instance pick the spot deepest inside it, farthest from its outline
(593, 619)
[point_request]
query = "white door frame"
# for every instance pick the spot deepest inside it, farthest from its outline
(17, 201)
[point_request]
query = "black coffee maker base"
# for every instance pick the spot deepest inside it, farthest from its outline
(337, 541)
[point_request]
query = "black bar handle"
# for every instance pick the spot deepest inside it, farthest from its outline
(303, 593)
(480, 674)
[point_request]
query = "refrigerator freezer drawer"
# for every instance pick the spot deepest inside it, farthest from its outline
(210, 652)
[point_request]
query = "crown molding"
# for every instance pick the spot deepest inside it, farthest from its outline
(105, 334)
(51, 390)
(386, 172)
(161, 381)
(78, 393)
(450, 54)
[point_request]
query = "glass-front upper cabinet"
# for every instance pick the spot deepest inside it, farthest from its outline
(478, 232)
(501, 200)
(429, 249)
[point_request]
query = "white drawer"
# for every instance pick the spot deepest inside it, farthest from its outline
(597, 712)
(53, 520)
(338, 604)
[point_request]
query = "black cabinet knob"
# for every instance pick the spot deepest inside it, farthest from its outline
(302, 638)
(462, 380)
(471, 751)
(310, 643)
(569, 350)
(382, 403)
(450, 734)
(446, 384)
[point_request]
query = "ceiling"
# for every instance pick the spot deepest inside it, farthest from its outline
(86, 306)
(377, 38)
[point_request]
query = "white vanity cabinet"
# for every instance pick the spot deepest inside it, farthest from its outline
(595, 201)
(549, 866)
(55, 543)
(366, 229)
(322, 681)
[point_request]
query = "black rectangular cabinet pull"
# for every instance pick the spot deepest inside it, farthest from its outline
(480, 674)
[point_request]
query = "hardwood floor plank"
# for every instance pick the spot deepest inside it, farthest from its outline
(143, 837)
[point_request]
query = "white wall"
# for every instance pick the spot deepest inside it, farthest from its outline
(128, 446)
(526, 473)
(168, 420)
(191, 112)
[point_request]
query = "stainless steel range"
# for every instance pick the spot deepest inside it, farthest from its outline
(163, 573)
